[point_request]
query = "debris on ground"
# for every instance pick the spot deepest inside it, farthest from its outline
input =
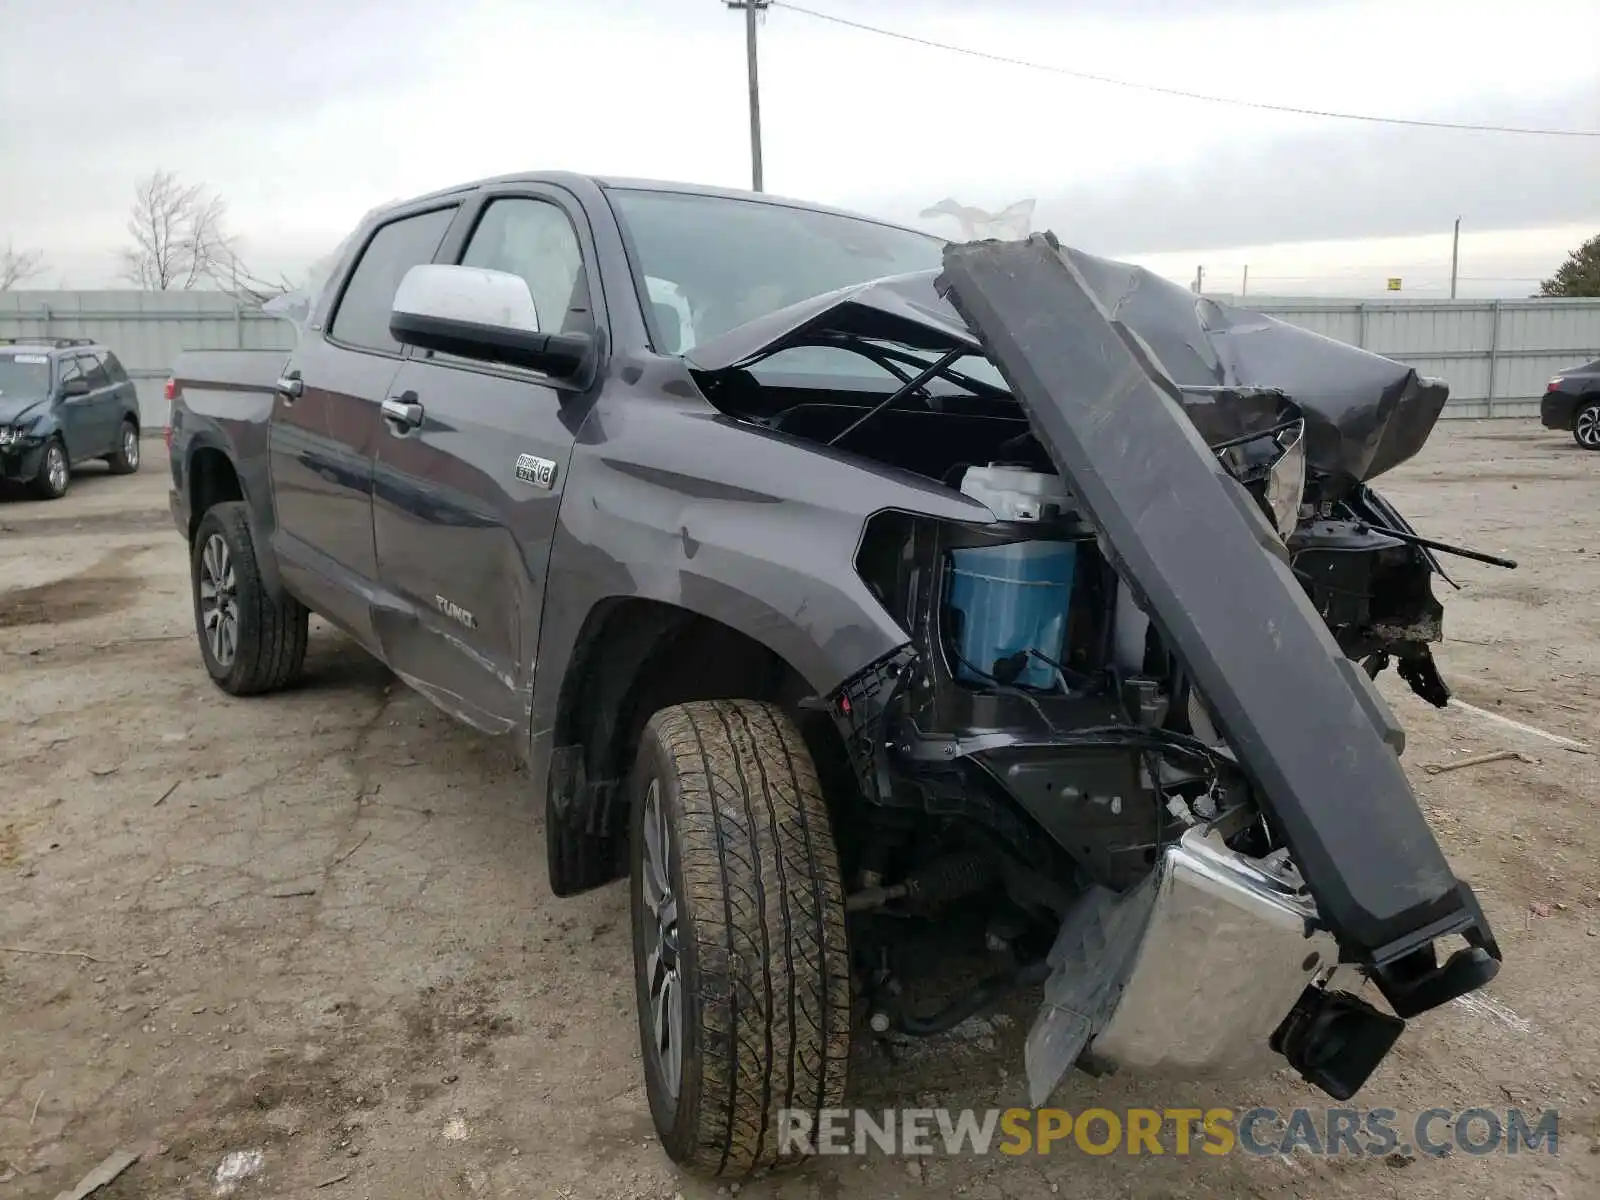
(236, 1168)
(1477, 760)
(110, 1167)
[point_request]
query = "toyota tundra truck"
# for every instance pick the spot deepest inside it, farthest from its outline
(850, 593)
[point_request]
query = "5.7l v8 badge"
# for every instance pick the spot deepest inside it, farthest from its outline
(540, 472)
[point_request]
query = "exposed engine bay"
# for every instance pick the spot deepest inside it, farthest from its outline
(1130, 744)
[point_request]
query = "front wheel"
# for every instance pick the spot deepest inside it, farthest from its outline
(250, 641)
(125, 460)
(1586, 426)
(741, 969)
(55, 473)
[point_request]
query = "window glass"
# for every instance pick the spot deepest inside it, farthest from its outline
(726, 260)
(94, 371)
(363, 315)
(24, 375)
(70, 370)
(114, 370)
(534, 239)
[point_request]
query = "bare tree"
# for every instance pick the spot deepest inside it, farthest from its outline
(179, 235)
(18, 266)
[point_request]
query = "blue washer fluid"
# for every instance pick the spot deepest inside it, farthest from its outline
(1012, 598)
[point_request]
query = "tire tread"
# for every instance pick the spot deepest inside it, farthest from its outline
(761, 878)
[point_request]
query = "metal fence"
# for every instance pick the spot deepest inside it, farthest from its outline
(1495, 354)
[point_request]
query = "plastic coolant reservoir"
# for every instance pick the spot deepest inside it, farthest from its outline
(1013, 597)
(1016, 493)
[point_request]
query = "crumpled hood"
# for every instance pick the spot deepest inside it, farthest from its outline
(1365, 414)
(14, 409)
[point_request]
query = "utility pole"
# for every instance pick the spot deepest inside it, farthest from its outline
(1455, 257)
(1244, 286)
(751, 9)
(1199, 279)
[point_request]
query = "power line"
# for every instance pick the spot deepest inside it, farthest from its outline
(1181, 93)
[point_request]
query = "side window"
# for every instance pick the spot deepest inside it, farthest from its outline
(114, 370)
(70, 370)
(362, 318)
(94, 371)
(534, 239)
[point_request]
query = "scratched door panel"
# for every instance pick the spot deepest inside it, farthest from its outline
(464, 508)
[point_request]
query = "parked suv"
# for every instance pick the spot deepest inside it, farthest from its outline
(63, 401)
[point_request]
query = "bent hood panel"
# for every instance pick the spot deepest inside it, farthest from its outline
(1300, 716)
(19, 408)
(1365, 414)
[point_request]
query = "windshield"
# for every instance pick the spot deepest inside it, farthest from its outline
(711, 263)
(24, 374)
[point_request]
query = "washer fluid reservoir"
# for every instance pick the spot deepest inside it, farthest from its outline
(1014, 597)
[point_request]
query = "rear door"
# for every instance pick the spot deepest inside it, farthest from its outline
(325, 425)
(466, 499)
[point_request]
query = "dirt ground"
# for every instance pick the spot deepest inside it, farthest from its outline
(316, 925)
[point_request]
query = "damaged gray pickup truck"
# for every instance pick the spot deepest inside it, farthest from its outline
(871, 604)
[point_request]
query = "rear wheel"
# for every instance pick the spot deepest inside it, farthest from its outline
(125, 460)
(740, 962)
(55, 473)
(1586, 426)
(250, 641)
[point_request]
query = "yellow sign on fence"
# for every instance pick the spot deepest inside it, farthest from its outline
(1394, 283)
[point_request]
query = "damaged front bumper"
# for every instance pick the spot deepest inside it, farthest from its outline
(1191, 973)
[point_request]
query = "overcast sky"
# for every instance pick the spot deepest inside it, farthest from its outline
(303, 114)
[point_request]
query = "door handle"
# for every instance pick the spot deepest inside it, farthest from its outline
(403, 410)
(290, 386)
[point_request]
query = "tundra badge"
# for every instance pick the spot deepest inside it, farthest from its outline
(455, 612)
(540, 472)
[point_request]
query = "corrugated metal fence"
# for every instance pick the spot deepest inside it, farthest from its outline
(1495, 354)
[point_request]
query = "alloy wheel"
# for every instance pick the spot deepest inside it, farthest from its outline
(219, 603)
(55, 466)
(664, 980)
(130, 447)
(1587, 427)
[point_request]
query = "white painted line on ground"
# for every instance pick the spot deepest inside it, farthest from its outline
(1518, 725)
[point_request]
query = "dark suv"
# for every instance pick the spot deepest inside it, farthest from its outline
(63, 401)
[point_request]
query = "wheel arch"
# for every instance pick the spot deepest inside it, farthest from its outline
(633, 657)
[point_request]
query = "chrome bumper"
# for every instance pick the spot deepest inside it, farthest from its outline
(1188, 974)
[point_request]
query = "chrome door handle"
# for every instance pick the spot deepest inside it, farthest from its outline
(406, 413)
(291, 386)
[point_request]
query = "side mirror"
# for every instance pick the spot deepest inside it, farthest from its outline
(481, 314)
(76, 387)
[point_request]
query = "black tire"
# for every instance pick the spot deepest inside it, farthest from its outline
(268, 643)
(761, 959)
(55, 471)
(125, 459)
(1586, 426)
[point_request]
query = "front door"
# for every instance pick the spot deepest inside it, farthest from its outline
(468, 482)
(325, 427)
(76, 411)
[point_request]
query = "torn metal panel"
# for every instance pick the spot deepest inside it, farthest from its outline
(1186, 539)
